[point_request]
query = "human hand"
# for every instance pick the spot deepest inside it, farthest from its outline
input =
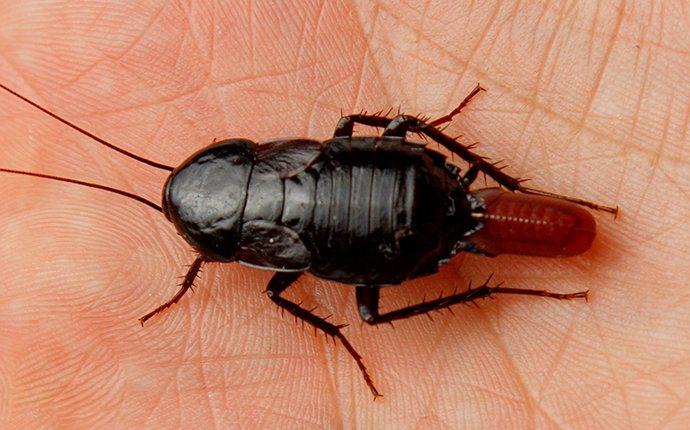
(586, 101)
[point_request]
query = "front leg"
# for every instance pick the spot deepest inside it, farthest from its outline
(368, 301)
(185, 286)
(279, 283)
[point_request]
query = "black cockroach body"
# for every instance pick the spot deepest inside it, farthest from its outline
(366, 211)
(302, 205)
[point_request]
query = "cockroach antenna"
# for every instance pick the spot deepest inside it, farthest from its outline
(86, 133)
(98, 140)
(132, 196)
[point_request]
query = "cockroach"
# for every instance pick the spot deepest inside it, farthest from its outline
(368, 211)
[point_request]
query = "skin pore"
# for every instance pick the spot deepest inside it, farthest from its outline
(587, 100)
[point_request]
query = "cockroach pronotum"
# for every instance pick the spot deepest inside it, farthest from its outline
(369, 211)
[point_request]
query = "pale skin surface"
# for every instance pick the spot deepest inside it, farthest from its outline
(586, 100)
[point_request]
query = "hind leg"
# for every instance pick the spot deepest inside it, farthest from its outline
(400, 125)
(186, 285)
(368, 301)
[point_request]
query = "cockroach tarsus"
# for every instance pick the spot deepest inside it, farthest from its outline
(368, 211)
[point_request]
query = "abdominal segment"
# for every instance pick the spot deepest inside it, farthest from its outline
(515, 223)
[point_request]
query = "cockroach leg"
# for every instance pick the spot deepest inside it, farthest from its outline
(471, 175)
(368, 301)
(496, 172)
(345, 126)
(278, 284)
(447, 118)
(186, 285)
(400, 125)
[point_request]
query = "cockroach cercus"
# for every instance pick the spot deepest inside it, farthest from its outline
(369, 211)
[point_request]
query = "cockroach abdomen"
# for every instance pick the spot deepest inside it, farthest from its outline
(515, 223)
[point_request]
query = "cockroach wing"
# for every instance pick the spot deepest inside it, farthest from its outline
(270, 246)
(287, 157)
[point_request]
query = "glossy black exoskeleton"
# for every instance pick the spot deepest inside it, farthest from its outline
(357, 210)
(366, 211)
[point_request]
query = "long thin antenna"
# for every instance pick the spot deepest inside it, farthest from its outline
(140, 199)
(86, 133)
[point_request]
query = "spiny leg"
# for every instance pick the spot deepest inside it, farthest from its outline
(447, 118)
(186, 284)
(368, 301)
(401, 124)
(345, 126)
(279, 283)
(495, 171)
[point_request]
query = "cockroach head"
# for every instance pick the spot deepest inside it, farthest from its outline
(205, 197)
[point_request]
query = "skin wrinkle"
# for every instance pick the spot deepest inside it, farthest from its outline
(643, 37)
(473, 52)
(315, 101)
(553, 366)
(162, 101)
(592, 30)
(367, 62)
(541, 67)
(252, 40)
(212, 46)
(577, 125)
(602, 68)
(428, 357)
(663, 424)
(431, 352)
(303, 29)
(612, 367)
(514, 369)
(378, 37)
(360, 79)
(137, 40)
(333, 354)
(684, 136)
(537, 24)
(288, 96)
(332, 389)
(84, 72)
(652, 376)
(366, 55)
(580, 125)
(636, 115)
(655, 162)
(418, 39)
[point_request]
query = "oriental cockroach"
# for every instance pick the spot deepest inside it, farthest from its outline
(368, 211)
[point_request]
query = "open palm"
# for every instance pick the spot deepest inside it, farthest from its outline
(589, 101)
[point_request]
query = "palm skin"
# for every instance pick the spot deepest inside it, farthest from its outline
(588, 101)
